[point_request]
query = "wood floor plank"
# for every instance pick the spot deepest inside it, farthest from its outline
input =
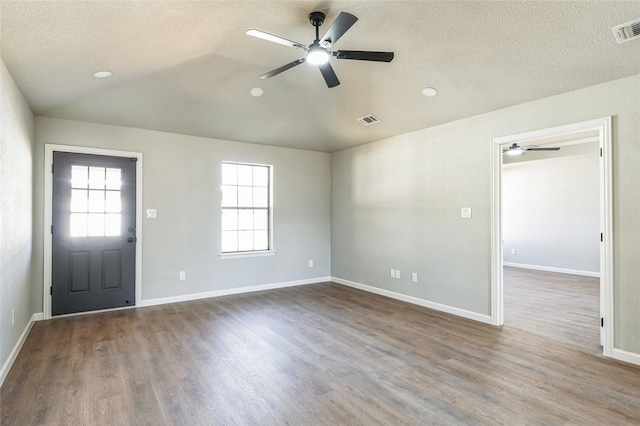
(317, 354)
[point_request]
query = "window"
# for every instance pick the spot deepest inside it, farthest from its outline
(95, 201)
(246, 208)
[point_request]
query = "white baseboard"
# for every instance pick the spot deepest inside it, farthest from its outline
(416, 301)
(625, 356)
(16, 349)
(228, 292)
(551, 269)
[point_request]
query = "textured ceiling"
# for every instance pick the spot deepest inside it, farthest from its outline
(187, 66)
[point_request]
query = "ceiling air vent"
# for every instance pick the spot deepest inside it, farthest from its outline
(627, 32)
(368, 120)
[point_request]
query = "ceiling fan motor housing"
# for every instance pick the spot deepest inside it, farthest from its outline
(316, 18)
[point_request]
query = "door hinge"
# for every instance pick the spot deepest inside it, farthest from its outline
(600, 152)
(51, 291)
(51, 168)
(601, 322)
(601, 237)
(52, 229)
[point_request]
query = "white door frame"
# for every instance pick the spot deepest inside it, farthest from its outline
(603, 127)
(48, 203)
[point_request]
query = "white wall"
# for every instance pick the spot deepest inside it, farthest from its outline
(181, 179)
(396, 203)
(16, 284)
(550, 210)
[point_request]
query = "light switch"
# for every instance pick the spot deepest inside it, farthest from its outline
(152, 213)
(465, 212)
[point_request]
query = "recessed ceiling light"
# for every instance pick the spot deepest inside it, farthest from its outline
(102, 74)
(429, 91)
(256, 92)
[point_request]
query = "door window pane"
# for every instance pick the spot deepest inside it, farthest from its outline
(112, 225)
(96, 225)
(79, 176)
(78, 224)
(79, 203)
(96, 177)
(112, 202)
(114, 179)
(96, 201)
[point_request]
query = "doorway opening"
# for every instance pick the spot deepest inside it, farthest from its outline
(92, 244)
(597, 131)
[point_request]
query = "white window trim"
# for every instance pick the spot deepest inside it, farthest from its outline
(257, 253)
(242, 254)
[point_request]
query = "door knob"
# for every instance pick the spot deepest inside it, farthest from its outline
(130, 239)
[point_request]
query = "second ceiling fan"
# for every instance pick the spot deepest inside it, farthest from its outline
(318, 52)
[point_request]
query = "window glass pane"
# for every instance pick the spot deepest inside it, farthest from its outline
(229, 174)
(96, 177)
(245, 219)
(245, 196)
(96, 201)
(260, 219)
(260, 197)
(114, 180)
(79, 201)
(78, 225)
(245, 240)
(229, 241)
(112, 225)
(261, 240)
(96, 225)
(229, 220)
(245, 175)
(113, 204)
(260, 176)
(229, 196)
(79, 176)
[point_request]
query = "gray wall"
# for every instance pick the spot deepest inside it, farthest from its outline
(551, 211)
(396, 203)
(181, 179)
(16, 284)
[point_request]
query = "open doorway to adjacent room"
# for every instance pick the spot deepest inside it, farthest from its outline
(551, 234)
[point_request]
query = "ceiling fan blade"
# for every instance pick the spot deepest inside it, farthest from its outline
(529, 148)
(283, 68)
(341, 25)
(363, 55)
(276, 39)
(329, 75)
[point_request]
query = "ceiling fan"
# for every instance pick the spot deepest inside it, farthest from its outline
(515, 150)
(318, 52)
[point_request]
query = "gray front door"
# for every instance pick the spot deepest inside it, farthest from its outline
(93, 232)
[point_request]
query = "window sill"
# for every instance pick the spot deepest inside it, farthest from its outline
(244, 254)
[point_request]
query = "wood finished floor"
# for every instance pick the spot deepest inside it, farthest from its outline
(558, 306)
(314, 354)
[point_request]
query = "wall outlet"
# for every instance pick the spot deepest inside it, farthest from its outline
(152, 213)
(392, 273)
(465, 212)
(398, 274)
(414, 277)
(13, 317)
(310, 263)
(513, 251)
(183, 275)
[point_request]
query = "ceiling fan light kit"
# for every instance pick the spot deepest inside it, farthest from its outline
(318, 52)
